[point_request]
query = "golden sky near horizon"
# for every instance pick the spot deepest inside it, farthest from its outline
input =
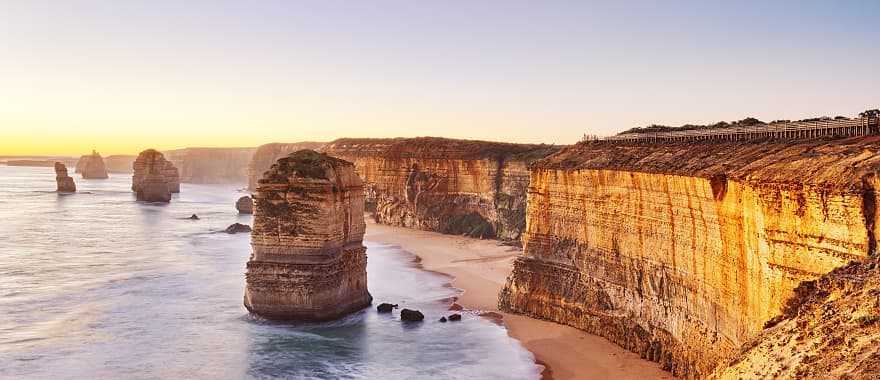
(123, 77)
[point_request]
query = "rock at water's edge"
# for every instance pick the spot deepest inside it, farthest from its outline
(385, 307)
(237, 227)
(411, 315)
(245, 205)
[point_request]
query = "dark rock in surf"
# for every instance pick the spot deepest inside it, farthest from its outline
(238, 227)
(411, 315)
(245, 205)
(385, 307)
(455, 317)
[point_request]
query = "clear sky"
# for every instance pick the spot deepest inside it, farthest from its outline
(121, 76)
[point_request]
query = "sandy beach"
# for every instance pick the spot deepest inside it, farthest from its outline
(480, 268)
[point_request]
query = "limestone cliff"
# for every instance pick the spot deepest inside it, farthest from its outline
(308, 260)
(681, 252)
(211, 165)
(477, 188)
(266, 155)
(829, 329)
(91, 166)
(154, 178)
(119, 163)
(64, 184)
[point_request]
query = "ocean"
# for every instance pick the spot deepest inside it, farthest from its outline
(97, 285)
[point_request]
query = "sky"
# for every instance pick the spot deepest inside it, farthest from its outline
(123, 76)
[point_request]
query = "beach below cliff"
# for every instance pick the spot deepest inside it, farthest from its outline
(480, 269)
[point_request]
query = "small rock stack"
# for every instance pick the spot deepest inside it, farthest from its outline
(91, 166)
(308, 261)
(65, 182)
(154, 177)
(245, 205)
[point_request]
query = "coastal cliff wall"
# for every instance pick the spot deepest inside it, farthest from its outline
(476, 188)
(681, 252)
(211, 165)
(265, 156)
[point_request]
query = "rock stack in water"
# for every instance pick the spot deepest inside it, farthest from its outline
(308, 261)
(245, 205)
(91, 166)
(64, 181)
(154, 177)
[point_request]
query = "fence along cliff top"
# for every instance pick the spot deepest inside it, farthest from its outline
(800, 129)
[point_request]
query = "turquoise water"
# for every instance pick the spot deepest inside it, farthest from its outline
(96, 285)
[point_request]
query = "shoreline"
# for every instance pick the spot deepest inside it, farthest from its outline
(479, 268)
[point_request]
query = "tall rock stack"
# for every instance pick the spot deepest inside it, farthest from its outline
(308, 261)
(154, 177)
(91, 166)
(65, 182)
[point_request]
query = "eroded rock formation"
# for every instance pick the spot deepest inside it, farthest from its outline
(681, 252)
(245, 205)
(91, 166)
(266, 155)
(63, 181)
(211, 165)
(154, 178)
(308, 260)
(475, 188)
(829, 329)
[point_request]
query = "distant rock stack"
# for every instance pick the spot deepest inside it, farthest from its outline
(245, 205)
(154, 178)
(92, 166)
(308, 261)
(65, 182)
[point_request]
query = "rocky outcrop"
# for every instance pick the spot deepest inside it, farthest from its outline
(681, 252)
(63, 181)
(308, 260)
(475, 188)
(266, 155)
(211, 165)
(236, 228)
(245, 205)
(829, 329)
(119, 163)
(154, 178)
(91, 166)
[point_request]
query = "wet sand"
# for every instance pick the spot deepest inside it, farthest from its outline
(480, 268)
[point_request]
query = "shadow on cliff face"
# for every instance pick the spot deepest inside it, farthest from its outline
(471, 225)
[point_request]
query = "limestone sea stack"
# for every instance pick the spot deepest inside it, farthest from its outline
(154, 177)
(245, 205)
(64, 181)
(91, 166)
(308, 261)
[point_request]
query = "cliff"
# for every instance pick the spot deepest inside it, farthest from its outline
(119, 163)
(681, 252)
(64, 184)
(154, 178)
(308, 260)
(476, 188)
(829, 329)
(91, 166)
(211, 165)
(266, 155)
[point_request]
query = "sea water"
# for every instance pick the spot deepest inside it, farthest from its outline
(97, 285)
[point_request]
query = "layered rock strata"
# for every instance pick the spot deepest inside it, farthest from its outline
(266, 155)
(154, 178)
(91, 166)
(829, 329)
(475, 188)
(308, 260)
(681, 252)
(211, 165)
(63, 181)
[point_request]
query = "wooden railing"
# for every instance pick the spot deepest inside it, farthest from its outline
(791, 130)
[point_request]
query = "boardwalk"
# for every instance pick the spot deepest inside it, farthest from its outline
(792, 130)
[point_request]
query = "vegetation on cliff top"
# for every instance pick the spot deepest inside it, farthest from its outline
(747, 122)
(304, 163)
(446, 148)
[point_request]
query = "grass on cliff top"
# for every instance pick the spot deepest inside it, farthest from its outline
(305, 163)
(451, 148)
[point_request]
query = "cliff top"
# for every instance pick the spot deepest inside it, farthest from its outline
(439, 147)
(828, 162)
(304, 163)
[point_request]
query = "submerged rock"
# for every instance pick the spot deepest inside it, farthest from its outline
(411, 315)
(154, 178)
(443, 319)
(385, 307)
(194, 217)
(63, 181)
(91, 166)
(245, 205)
(237, 227)
(308, 260)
